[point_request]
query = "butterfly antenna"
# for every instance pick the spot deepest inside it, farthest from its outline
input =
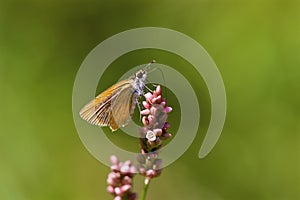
(165, 85)
(152, 70)
(146, 68)
(148, 65)
(162, 74)
(148, 88)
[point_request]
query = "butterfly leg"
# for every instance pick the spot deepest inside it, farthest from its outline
(139, 107)
(148, 88)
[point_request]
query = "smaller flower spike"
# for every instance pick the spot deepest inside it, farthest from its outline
(119, 180)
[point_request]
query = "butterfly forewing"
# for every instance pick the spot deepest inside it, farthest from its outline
(98, 111)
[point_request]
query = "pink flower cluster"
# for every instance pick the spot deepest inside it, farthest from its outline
(119, 180)
(154, 120)
(154, 131)
(149, 165)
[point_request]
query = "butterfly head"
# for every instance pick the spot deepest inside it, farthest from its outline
(139, 83)
(140, 79)
(141, 74)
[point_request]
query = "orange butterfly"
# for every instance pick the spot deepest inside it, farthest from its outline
(114, 107)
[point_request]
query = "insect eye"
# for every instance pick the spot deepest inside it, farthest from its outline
(140, 74)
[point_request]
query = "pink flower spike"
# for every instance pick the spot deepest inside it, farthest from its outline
(145, 121)
(151, 136)
(158, 99)
(114, 160)
(118, 191)
(145, 112)
(125, 169)
(157, 164)
(110, 181)
(114, 168)
(126, 180)
(150, 119)
(141, 169)
(148, 96)
(119, 180)
(158, 141)
(132, 170)
(158, 89)
(114, 175)
(167, 125)
(110, 189)
(168, 109)
(164, 100)
(157, 132)
(166, 135)
(153, 132)
(146, 105)
(127, 162)
(155, 100)
(118, 198)
(150, 173)
(125, 188)
(152, 155)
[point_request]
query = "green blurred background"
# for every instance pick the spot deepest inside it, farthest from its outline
(255, 44)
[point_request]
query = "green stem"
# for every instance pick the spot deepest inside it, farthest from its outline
(146, 186)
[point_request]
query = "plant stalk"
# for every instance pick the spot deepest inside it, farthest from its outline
(146, 186)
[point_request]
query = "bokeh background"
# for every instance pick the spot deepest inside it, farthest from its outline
(255, 45)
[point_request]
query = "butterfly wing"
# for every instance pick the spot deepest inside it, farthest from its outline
(122, 108)
(99, 110)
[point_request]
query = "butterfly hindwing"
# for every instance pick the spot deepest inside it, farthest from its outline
(122, 108)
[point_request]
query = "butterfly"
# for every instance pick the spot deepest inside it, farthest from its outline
(114, 106)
